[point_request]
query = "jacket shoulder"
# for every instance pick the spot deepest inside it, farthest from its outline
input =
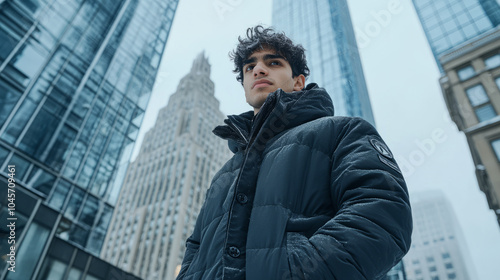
(343, 120)
(344, 126)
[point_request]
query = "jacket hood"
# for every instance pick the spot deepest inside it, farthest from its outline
(280, 111)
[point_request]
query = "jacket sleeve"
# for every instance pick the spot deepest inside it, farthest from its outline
(371, 229)
(192, 246)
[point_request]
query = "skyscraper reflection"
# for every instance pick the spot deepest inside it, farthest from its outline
(75, 79)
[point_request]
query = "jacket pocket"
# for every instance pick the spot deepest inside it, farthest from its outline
(189, 270)
(294, 243)
(304, 260)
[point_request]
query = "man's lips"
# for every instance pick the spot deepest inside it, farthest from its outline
(261, 83)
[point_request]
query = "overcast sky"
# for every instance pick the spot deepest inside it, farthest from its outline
(402, 79)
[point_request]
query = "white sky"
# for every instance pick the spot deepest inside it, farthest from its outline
(402, 79)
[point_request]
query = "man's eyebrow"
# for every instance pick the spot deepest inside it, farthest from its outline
(266, 57)
(273, 56)
(249, 60)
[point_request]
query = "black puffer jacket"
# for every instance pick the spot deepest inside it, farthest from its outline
(305, 196)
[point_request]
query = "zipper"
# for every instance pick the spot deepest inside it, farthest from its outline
(239, 132)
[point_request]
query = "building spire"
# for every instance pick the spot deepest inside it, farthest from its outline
(201, 66)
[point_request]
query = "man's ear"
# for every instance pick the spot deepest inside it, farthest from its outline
(299, 82)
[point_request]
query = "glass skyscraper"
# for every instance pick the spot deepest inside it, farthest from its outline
(325, 30)
(449, 23)
(75, 79)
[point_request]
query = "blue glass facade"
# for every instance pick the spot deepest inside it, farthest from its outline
(449, 23)
(75, 79)
(325, 30)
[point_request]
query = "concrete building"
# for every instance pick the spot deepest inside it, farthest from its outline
(465, 39)
(325, 30)
(438, 249)
(471, 89)
(165, 186)
(396, 273)
(75, 79)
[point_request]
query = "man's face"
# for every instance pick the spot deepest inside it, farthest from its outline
(264, 71)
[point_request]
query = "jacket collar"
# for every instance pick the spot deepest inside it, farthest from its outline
(280, 111)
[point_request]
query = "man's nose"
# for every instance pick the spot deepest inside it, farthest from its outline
(260, 69)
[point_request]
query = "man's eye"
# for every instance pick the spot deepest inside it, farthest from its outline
(275, 63)
(249, 68)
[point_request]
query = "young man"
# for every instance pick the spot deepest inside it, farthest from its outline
(306, 195)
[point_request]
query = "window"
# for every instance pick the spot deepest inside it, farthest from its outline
(469, 29)
(466, 72)
(74, 273)
(430, 259)
(54, 23)
(477, 95)
(445, 255)
(59, 195)
(456, 37)
(78, 234)
(41, 130)
(485, 113)
(8, 44)
(74, 203)
(53, 269)
(480, 103)
(89, 211)
(452, 275)
(3, 154)
(8, 100)
(21, 164)
(58, 153)
(492, 61)
(19, 121)
(105, 218)
(29, 60)
(496, 147)
(30, 251)
(448, 265)
(41, 180)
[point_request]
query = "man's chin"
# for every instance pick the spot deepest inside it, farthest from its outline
(265, 89)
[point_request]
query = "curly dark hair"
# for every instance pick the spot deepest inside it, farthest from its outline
(260, 38)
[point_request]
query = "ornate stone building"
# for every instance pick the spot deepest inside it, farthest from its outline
(165, 186)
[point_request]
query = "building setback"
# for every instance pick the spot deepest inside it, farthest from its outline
(438, 249)
(75, 79)
(449, 23)
(325, 30)
(165, 186)
(471, 89)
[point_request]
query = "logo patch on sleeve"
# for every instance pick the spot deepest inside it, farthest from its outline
(381, 148)
(384, 154)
